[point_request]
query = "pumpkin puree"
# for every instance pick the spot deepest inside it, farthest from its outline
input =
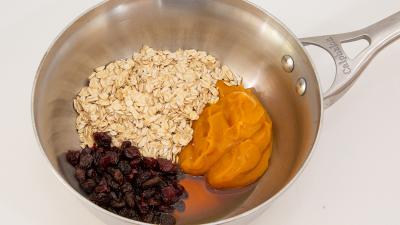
(232, 140)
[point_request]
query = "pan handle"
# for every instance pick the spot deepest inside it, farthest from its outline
(348, 70)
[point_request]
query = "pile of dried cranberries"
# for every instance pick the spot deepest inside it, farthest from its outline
(122, 181)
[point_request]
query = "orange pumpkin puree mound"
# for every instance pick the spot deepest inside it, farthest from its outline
(232, 140)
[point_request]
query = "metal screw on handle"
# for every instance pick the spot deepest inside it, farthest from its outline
(348, 70)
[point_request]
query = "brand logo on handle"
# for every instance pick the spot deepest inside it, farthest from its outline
(340, 57)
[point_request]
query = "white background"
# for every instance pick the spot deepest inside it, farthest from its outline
(353, 177)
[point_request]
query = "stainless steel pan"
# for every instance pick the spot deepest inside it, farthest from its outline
(253, 43)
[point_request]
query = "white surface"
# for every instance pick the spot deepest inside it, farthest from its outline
(352, 178)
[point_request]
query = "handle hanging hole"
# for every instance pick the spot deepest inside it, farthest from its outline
(354, 48)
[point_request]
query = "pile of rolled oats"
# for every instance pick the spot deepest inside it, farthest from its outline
(150, 99)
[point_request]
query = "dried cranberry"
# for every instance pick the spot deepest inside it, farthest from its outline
(85, 161)
(150, 163)
(138, 199)
(73, 157)
(126, 187)
(115, 149)
(102, 187)
(100, 198)
(91, 173)
(157, 196)
(135, 163)
(130, 199)
(113, 196)
(148, 193)
(156, 218)
(166, 165)
(169, 194)
(152, 182)
(96, 158)
(99, 149)
(126, 144)
(165, 209)
(113, 185)
(167, 219)
(80, 174)
(154, 202)
(102, 139)
(144, 176)
(148, 218)
(116, 174)
(117, 204)
(110, 158)
(88, 185)
(86, 150)
(124, 167)
(181, 191)
(143, 207)
(128, 213)
(132, 175)
(131, 152)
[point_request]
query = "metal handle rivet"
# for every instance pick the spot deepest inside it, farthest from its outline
(287, 63)
(301, 86)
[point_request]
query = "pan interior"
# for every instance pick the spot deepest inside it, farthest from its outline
(241, 36)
